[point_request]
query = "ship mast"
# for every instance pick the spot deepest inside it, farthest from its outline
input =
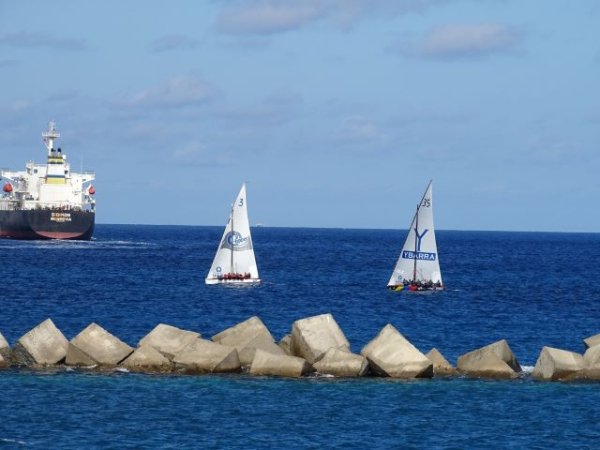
(49, 136)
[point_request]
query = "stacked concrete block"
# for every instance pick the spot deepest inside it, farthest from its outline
(44, 345)
(390, 354)
(96, 346)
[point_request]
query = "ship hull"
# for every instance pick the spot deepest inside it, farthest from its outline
(47, 224)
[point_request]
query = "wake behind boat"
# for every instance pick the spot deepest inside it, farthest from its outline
(234, 262)
(418, 267)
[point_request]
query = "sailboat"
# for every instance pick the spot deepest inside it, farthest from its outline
(418, 266)
(234, 262)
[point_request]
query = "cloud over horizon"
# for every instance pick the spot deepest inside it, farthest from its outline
(24, 39)
(462, 41)
(277, 16)
(178, 91)
(172, 42)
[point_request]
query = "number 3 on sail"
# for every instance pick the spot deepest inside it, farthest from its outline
(418, 267)
(234, 262)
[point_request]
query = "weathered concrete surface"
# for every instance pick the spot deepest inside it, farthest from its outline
(591, 357)
(391, 354)
(285, 344)
(313, 336)
(591, 365)
(168, 340)
(242, 333)
(495, 360)
(592, 341)
(441, 366)
(266, 363)
(261, 341)
(77, 357)
(555, 364)
(98, 345)
(44, 345)
(202, 356)
(147, 359)
(246, 337)
(485, 365)
(341, 363)
(4, 349)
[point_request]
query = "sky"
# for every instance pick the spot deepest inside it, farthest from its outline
(337, 113)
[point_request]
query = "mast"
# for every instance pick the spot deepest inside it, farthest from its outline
(416, 238)
(231, 235)
(49, 136)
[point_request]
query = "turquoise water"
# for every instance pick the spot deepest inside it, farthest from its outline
(518, 286)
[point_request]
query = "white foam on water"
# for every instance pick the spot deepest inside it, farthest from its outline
(527, 369)
(13, 441)
(121, 369)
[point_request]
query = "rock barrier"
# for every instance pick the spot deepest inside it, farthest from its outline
(314, 346)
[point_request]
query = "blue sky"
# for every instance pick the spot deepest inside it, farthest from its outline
(336, 112)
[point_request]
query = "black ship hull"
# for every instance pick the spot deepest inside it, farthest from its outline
(47, 224)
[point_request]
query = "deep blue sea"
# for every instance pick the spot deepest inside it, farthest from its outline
(533, 289)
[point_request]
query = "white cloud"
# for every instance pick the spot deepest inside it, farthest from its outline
(172, 42)
(25, 39)
(198, 154)
(463, 41)
(359, 129)
(275, 16)
(185, 90)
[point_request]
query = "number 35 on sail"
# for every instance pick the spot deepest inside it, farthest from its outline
(418, 266)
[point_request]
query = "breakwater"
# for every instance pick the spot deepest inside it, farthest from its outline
(315, 345)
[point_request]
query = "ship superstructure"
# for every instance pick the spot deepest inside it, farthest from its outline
(51, 190)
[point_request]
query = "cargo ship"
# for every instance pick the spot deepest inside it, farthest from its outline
(47, 201)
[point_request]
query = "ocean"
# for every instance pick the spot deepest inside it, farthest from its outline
(532, 289)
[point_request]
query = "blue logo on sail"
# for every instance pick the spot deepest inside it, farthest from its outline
(421, 256)
(235, 241)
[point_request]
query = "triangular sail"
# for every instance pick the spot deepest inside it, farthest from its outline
(235, 260)
(419, 259)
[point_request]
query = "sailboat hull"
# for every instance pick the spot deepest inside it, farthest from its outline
(244, 281)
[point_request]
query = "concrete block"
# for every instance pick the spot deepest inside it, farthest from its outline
(341, 363)
(168, 340)
(441, 366)
(313, 336)
(246, 337)
(96, 344)
(77, 357)
(242, 333)
(269, 364)
(591, 357)
(202, 356)
(485, 361)
(3, 363)
(285, 344)
(499, 348)
(592, 341)
(555, 364)
(5, 351)
(147, 359)
(44, 345)
(261, 341)
(391, 355)
(485, 365)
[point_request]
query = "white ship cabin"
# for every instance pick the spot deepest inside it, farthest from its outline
(48, 186)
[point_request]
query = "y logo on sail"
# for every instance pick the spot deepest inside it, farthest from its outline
(418, 254)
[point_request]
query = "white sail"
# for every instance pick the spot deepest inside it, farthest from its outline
(234, 261)
(419, 259)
